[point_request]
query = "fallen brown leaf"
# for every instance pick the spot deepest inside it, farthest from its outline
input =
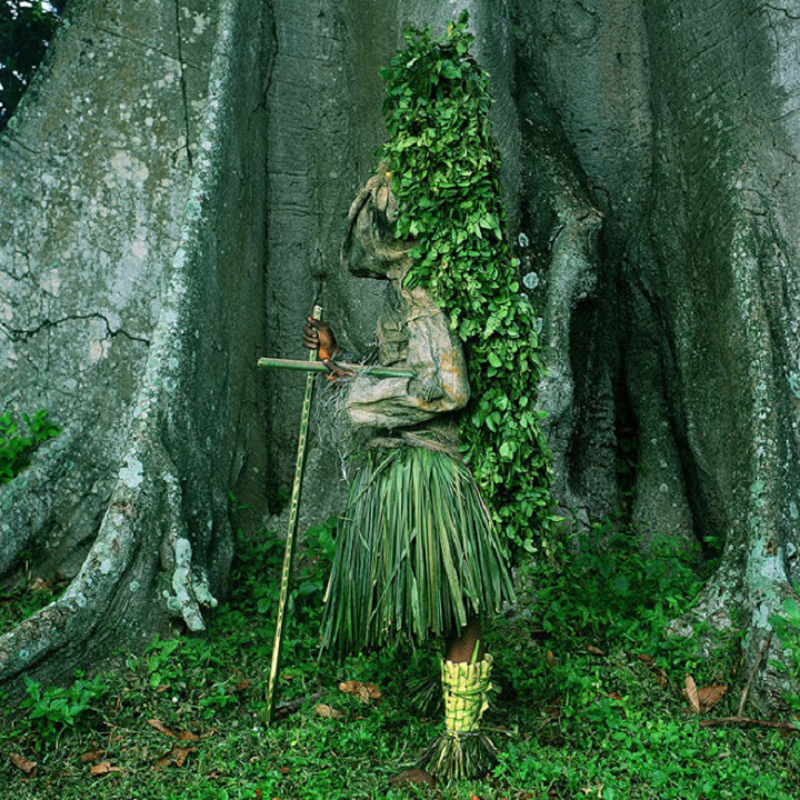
(104, 768)
(691, 693)
(365, 692)
(551, 659)
(39, 585)
(553, 710)
(187, 736)
(658, 673)
(175, 757)
(709, 696)
(414, 776)
(92, 756)
(329, 712)
(28, 767)
(595, 650)
(241, 686)
(159, 726)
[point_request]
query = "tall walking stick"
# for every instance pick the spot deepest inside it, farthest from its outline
(287, 556)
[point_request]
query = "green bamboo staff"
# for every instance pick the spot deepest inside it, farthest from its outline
(287, 557)
(318, 366)
(311, 366)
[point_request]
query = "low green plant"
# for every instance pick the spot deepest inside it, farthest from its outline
(607, 587)
(16, 447)
(19, 604)
(50, 710)
(575, 724)
(787, 626)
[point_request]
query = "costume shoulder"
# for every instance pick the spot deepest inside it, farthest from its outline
(413, 333)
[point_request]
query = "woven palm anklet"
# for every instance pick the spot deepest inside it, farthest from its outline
(463, 750)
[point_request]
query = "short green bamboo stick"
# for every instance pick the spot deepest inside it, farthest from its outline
(318, 366)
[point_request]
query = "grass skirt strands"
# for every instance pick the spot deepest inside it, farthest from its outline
(417, 554)
(463, 751)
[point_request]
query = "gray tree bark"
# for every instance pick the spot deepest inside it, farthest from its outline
(131, 307)
(650, 155)
(683, 118)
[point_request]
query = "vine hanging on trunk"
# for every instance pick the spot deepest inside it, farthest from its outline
(445, 167)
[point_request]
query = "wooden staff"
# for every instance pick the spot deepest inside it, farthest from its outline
(287, 556)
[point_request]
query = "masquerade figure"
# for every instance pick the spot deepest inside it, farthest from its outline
(417, 555)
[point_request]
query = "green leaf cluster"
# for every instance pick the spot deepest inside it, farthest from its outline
(787, 626)
(445, 167)
(26, 28)
(16, 448)
(51, 709)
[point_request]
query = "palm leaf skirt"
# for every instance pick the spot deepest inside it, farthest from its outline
(416, 554)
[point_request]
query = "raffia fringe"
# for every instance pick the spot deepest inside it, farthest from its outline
(416, 554)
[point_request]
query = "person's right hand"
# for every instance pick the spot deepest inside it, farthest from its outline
(317, 335)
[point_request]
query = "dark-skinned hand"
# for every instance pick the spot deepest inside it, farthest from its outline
(317, 335)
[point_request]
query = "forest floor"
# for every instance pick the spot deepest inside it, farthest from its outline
(590, 702)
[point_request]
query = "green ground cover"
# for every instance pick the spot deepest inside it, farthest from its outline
(589, 702)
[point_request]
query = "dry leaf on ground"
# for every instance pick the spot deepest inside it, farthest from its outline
(691, 693)
(175, 757)
(659, 674)
(104, 768)
(27, 766)
(414, 776)
(595, 651)
(553, 709)
(365, 692)
(328, 712)
(215, 774)
(187, 736)
(159, 726)
(242, 686)
(92, 756)
(551, 659)
(709, 696)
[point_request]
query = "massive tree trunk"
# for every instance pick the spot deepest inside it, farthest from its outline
(684, 119)
(131, 308)
(650, 155)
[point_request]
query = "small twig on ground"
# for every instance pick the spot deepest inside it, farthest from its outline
(290, 706)
(743, 721)
(752, 675)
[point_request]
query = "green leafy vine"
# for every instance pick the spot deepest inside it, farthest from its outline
(445, 167)
(16, 448)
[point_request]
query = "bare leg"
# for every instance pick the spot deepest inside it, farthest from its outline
(461, 648)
